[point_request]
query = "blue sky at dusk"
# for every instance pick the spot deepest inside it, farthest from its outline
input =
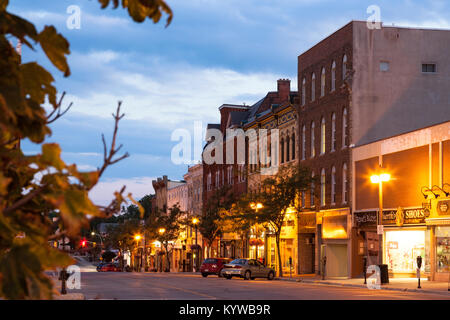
(214, 52)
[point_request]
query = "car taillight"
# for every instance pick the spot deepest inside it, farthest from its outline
(238, 267)
(214, 265)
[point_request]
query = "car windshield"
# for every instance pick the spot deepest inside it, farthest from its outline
(239, 261)
(210, 261)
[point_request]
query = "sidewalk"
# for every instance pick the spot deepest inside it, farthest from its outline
(397, 284)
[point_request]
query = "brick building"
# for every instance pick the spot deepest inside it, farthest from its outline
(356, 87)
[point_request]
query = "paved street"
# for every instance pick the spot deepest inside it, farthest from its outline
(111, 285)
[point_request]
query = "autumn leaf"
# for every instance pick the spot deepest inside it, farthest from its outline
(55, 47)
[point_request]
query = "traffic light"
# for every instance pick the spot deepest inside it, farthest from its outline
(83, 243)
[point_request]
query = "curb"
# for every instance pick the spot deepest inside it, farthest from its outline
(340, 284)
(69, 296)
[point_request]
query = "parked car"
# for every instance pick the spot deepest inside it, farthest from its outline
(213, 266)
(100, 265)
(247, 269)
(111, 267)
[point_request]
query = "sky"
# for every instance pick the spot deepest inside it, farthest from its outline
(213, 52)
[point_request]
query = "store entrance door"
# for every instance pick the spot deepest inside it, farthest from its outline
(336, 260)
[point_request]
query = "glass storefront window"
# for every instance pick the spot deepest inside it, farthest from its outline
(442, 249)
(402, 249)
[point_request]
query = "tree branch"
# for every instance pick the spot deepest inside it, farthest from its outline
(58, 111)
(24, 200)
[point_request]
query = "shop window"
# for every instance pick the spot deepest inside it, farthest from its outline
(442, 249)
(402, 249)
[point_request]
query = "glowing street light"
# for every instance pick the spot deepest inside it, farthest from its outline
(256, 206)
(137, 237)
(380, 178)
(161, 231)
(195, 222)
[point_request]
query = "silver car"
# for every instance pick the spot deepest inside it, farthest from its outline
(247, 269)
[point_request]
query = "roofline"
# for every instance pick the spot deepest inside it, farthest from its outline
(236, 106)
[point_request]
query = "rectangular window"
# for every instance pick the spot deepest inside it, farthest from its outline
(429, 67)
(384, 66)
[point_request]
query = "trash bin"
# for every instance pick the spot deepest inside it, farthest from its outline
(384, 273)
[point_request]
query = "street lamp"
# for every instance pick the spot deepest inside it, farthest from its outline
(380, 178)
(137, 238)
(195, 222)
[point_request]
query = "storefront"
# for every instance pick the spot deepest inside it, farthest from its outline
(288, 246)
(438, 224)
(405, 238)
(306, 242)
(334, 242)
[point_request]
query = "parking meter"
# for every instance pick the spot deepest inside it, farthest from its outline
(365, 269)
(419, 265)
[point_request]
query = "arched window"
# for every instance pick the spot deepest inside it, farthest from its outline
(344, 128)
(344, 184)
(322, 82)
(333, 185)
(313, 87)
(282, 150)
(208, 182)
(287, 148)
(303, 91)
(313, 148)
(322, 136)
(333, 132)
(293, 146)
(312, 193)
(322, 187)
(333, 76)
(304, 142)
(344, 67)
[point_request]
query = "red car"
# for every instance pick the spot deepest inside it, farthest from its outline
(109, 267)
(213, 266)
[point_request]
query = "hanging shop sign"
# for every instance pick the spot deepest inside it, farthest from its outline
(402, 216)
(365, 219)
(443, 208)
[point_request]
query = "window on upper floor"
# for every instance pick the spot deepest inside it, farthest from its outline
(322, 82)
(344, 67)
(282, 150)
(333, 76)
(333, 185)
(428, 67)
(313, 87)
(287, 148)
(304, 142)
(293, 146)
(303, 91)
(312, 192)
(313, 143)
(384, 66)
(333, 132)
(322, 136)
(344, 183)
(322, 187)
(208, 182)
(344, 128)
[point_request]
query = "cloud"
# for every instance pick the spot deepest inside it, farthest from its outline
(160, 92)
(103, 192)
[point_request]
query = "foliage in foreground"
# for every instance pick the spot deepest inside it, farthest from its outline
(33, 186)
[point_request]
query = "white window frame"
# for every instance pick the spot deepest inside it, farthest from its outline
(333, 76)
(323, 184)
(323, 134)
(322, 82)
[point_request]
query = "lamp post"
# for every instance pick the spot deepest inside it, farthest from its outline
(380, 178)
(137, 238)
(101, 240)
(256, 207)
(161, 231)
(195, 222)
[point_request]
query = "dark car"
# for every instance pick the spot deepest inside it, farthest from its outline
(213, 266)
(109, 267)
(247, 269)
(100, 265)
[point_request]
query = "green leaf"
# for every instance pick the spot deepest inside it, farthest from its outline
(55, 47)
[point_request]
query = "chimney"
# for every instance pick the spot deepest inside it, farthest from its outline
(284, 89)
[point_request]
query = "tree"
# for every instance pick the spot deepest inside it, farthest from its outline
(279, 193)
(212, 223)
(122, 237)
(32, 186)
(166, 229)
